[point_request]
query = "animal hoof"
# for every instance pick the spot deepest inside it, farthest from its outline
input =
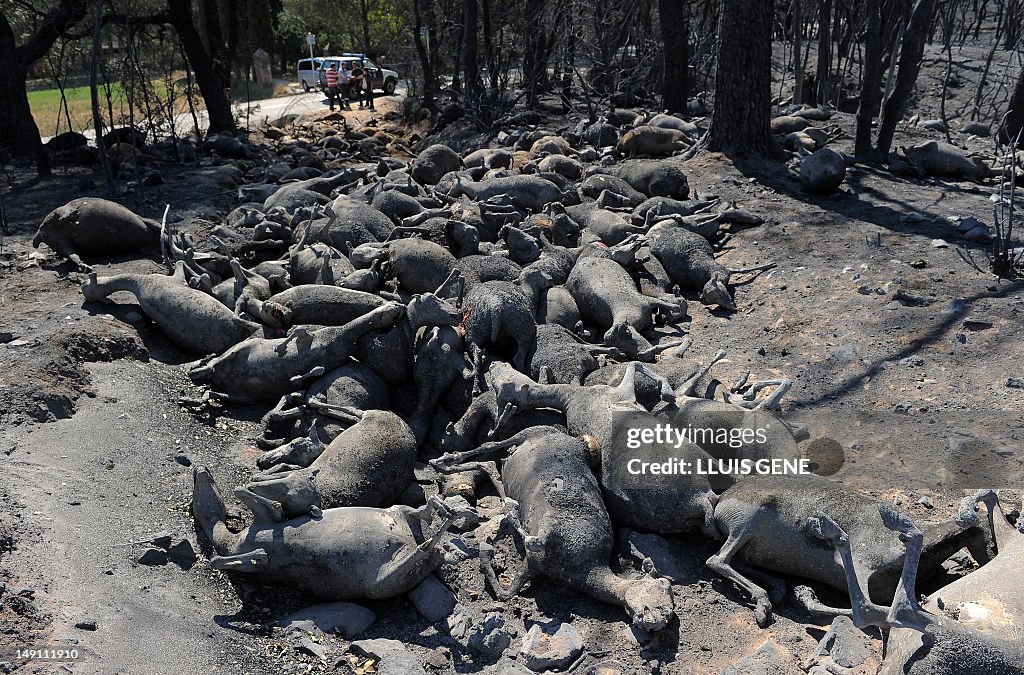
(763, 615)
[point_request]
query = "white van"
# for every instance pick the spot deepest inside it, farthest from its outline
(308, 72)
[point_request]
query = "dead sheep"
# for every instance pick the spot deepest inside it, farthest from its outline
(822, 172)
(941, 159)
(193, 320)
(434, 162)
(951, 645)
(654, 141)
(259, 369)
(95, 227)
(556, 515)
(368, 464)
(342, 554)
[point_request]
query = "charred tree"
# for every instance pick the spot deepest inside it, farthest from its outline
(18, 131)
(741, 122)
(1013, 122)
(426, 63)
(675, 29)
(911, 53)
(532, 52)
(210, 78)
(470, 65)
(823, 75)
(871, 88)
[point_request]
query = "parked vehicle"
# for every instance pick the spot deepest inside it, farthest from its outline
(308, 72)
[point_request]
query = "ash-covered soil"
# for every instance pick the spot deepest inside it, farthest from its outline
(898, 348)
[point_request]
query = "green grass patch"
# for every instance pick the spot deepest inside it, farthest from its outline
(51, 118)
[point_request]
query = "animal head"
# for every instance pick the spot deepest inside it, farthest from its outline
(535, 280)
(429, 310)
(715, 292)
(389, 314)
(649, 603)
(90, 288)
(276, 314)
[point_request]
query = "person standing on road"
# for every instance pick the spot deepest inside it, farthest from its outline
(345, 85)
(356, 84)
(331, 80)
(368, 88)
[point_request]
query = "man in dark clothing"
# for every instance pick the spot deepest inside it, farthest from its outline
(368, 89)
(358, 74)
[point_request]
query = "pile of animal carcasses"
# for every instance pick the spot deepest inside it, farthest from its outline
(496, 317)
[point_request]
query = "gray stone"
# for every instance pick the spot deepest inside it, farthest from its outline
(551, 646)
(6, 336)
(182, 551)
(844, 643)
(1015, 382)
(161, 539)
(153, 557)
(766, 660)
(307, 646)
(345, 618)
(655, 554)
(507, 666)
(466, 516)
(433, 600)
(979, 234)
(391, 655)
(458, 623)
(87, 624)
(490, 637)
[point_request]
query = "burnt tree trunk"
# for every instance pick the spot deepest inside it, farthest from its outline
(209, 77)
(429, 83)
(470, 66)
(740, 124)
(871, 89)
(798, 62)
(824, 71)
(18, 131)
(909, 65)
(1014, 120)
(675, 28)
(532, 75)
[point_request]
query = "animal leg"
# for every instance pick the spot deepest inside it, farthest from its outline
(905, 611)
(740, 383)
(528, 546)
(297, 336)
(343, 413)
(402, 566)
(808, 600)
(687, 388)
(863, 612)
(261, 507)
(649, 355)
(749, 398)
(720, 563)
(313, 374)
(209, 511)
(253, 561)
(280, 413)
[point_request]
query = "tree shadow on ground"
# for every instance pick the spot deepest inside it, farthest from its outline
(890, 213)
